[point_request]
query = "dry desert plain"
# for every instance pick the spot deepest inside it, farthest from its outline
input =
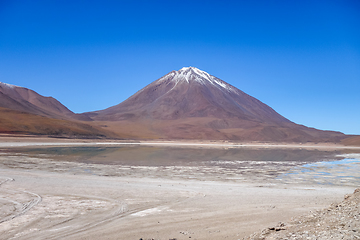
(44, 197)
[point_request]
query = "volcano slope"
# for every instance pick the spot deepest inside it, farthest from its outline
(192, 104)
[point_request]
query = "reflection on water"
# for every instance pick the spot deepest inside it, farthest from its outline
(166, 156)
(344, 172)
(234, 164)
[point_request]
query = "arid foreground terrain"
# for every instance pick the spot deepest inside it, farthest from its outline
(43, 198)
(339, 221)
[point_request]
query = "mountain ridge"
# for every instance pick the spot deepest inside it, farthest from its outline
(24, 111)
(185, 104)
(27, 100)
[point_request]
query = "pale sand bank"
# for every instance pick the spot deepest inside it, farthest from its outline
(96, 207)
(93, 207)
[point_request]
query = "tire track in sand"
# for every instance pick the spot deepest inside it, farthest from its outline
(20, 207)
(115, 215)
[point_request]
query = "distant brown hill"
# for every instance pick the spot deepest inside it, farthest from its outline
(23, 111)
(192, 104)
(26, 100)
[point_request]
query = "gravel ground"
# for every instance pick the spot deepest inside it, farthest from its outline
(339, 221)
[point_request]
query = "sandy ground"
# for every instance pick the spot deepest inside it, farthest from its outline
(48, 204)
(339, 221)
(41, 205)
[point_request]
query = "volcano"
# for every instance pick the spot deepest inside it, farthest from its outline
(192, 104)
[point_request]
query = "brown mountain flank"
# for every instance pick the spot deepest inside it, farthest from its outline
(351, 141)
(15, 122)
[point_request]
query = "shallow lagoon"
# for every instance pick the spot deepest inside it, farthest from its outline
(259, 166)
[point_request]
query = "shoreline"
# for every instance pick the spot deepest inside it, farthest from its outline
(9, 142)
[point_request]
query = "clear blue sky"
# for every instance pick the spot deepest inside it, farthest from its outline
(302, 58)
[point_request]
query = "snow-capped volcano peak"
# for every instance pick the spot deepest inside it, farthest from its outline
(193, 74)
(193, 70)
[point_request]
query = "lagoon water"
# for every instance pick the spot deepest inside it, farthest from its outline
(260, 166)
